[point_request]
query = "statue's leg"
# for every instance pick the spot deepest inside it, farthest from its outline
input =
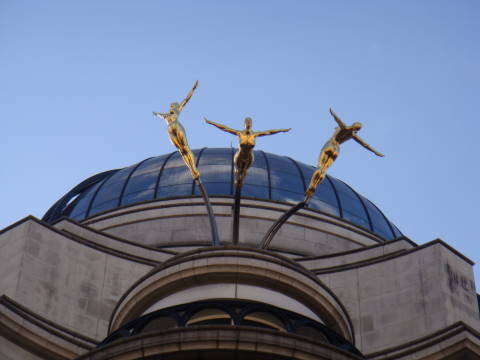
(316, 179)
(190, 162)
(180, 141)
(242, 163)
(237, 169)
(326, 160)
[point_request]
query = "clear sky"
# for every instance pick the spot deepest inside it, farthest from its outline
(79, 80)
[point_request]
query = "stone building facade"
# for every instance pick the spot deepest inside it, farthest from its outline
(122, 267)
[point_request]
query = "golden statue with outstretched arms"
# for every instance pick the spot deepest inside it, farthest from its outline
(331, 149)
(176, 132)
(246, 142)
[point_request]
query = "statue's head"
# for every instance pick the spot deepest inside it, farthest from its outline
(248, 123)
(356, 126)
(174, 108)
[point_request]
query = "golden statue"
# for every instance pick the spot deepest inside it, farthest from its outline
(246, 141)
(331, 149)
(176, 132)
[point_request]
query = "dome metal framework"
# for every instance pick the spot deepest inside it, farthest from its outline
(271, 177)
(231, 313)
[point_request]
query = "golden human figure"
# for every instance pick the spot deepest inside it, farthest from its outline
(331, 149)
(246, 142)
(176, 132)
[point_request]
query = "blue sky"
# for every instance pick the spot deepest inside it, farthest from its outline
(79, 80)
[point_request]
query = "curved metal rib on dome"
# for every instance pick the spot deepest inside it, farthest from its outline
(157, 182)
(128, 179)
(270, 178)
(61, 207)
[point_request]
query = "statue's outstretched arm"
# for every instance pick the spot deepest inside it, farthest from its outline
(338, 120)
(223, 127)
(162, 115)
(270, 132)
(366, 146)
(189, 95)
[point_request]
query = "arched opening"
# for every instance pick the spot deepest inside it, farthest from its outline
(264, 320)
(312, 332)
(210, 316)
(160, 323)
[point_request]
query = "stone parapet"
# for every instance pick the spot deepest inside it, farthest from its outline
(219, 342)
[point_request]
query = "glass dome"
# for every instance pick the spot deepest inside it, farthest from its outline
(271, 177)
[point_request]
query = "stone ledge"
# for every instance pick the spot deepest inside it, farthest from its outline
(344, 258)
(394, 255)
(77, 228)
(192, 340)
(145, 254)
(455, 342)
(90, 243)
(40, 336)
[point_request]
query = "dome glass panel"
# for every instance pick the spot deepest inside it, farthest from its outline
(79, 210)
(257, 182)
(325, 198)
(215, 166)
(397, 233)
(286, 181)
(379, 222)
(143, 181)
(257, 174)
(352, 207)
(271, 177)
(108, 195)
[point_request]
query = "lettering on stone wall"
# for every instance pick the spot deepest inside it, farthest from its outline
(457, 280)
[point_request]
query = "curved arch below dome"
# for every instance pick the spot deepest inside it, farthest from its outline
(234, 291)
(237, 265)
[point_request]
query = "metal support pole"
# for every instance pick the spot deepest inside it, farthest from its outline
(236, 215)
(278, 224)
(211, 216)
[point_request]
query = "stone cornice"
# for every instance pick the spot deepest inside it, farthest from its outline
(452, 339)
(191, 340)
(39, 335)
